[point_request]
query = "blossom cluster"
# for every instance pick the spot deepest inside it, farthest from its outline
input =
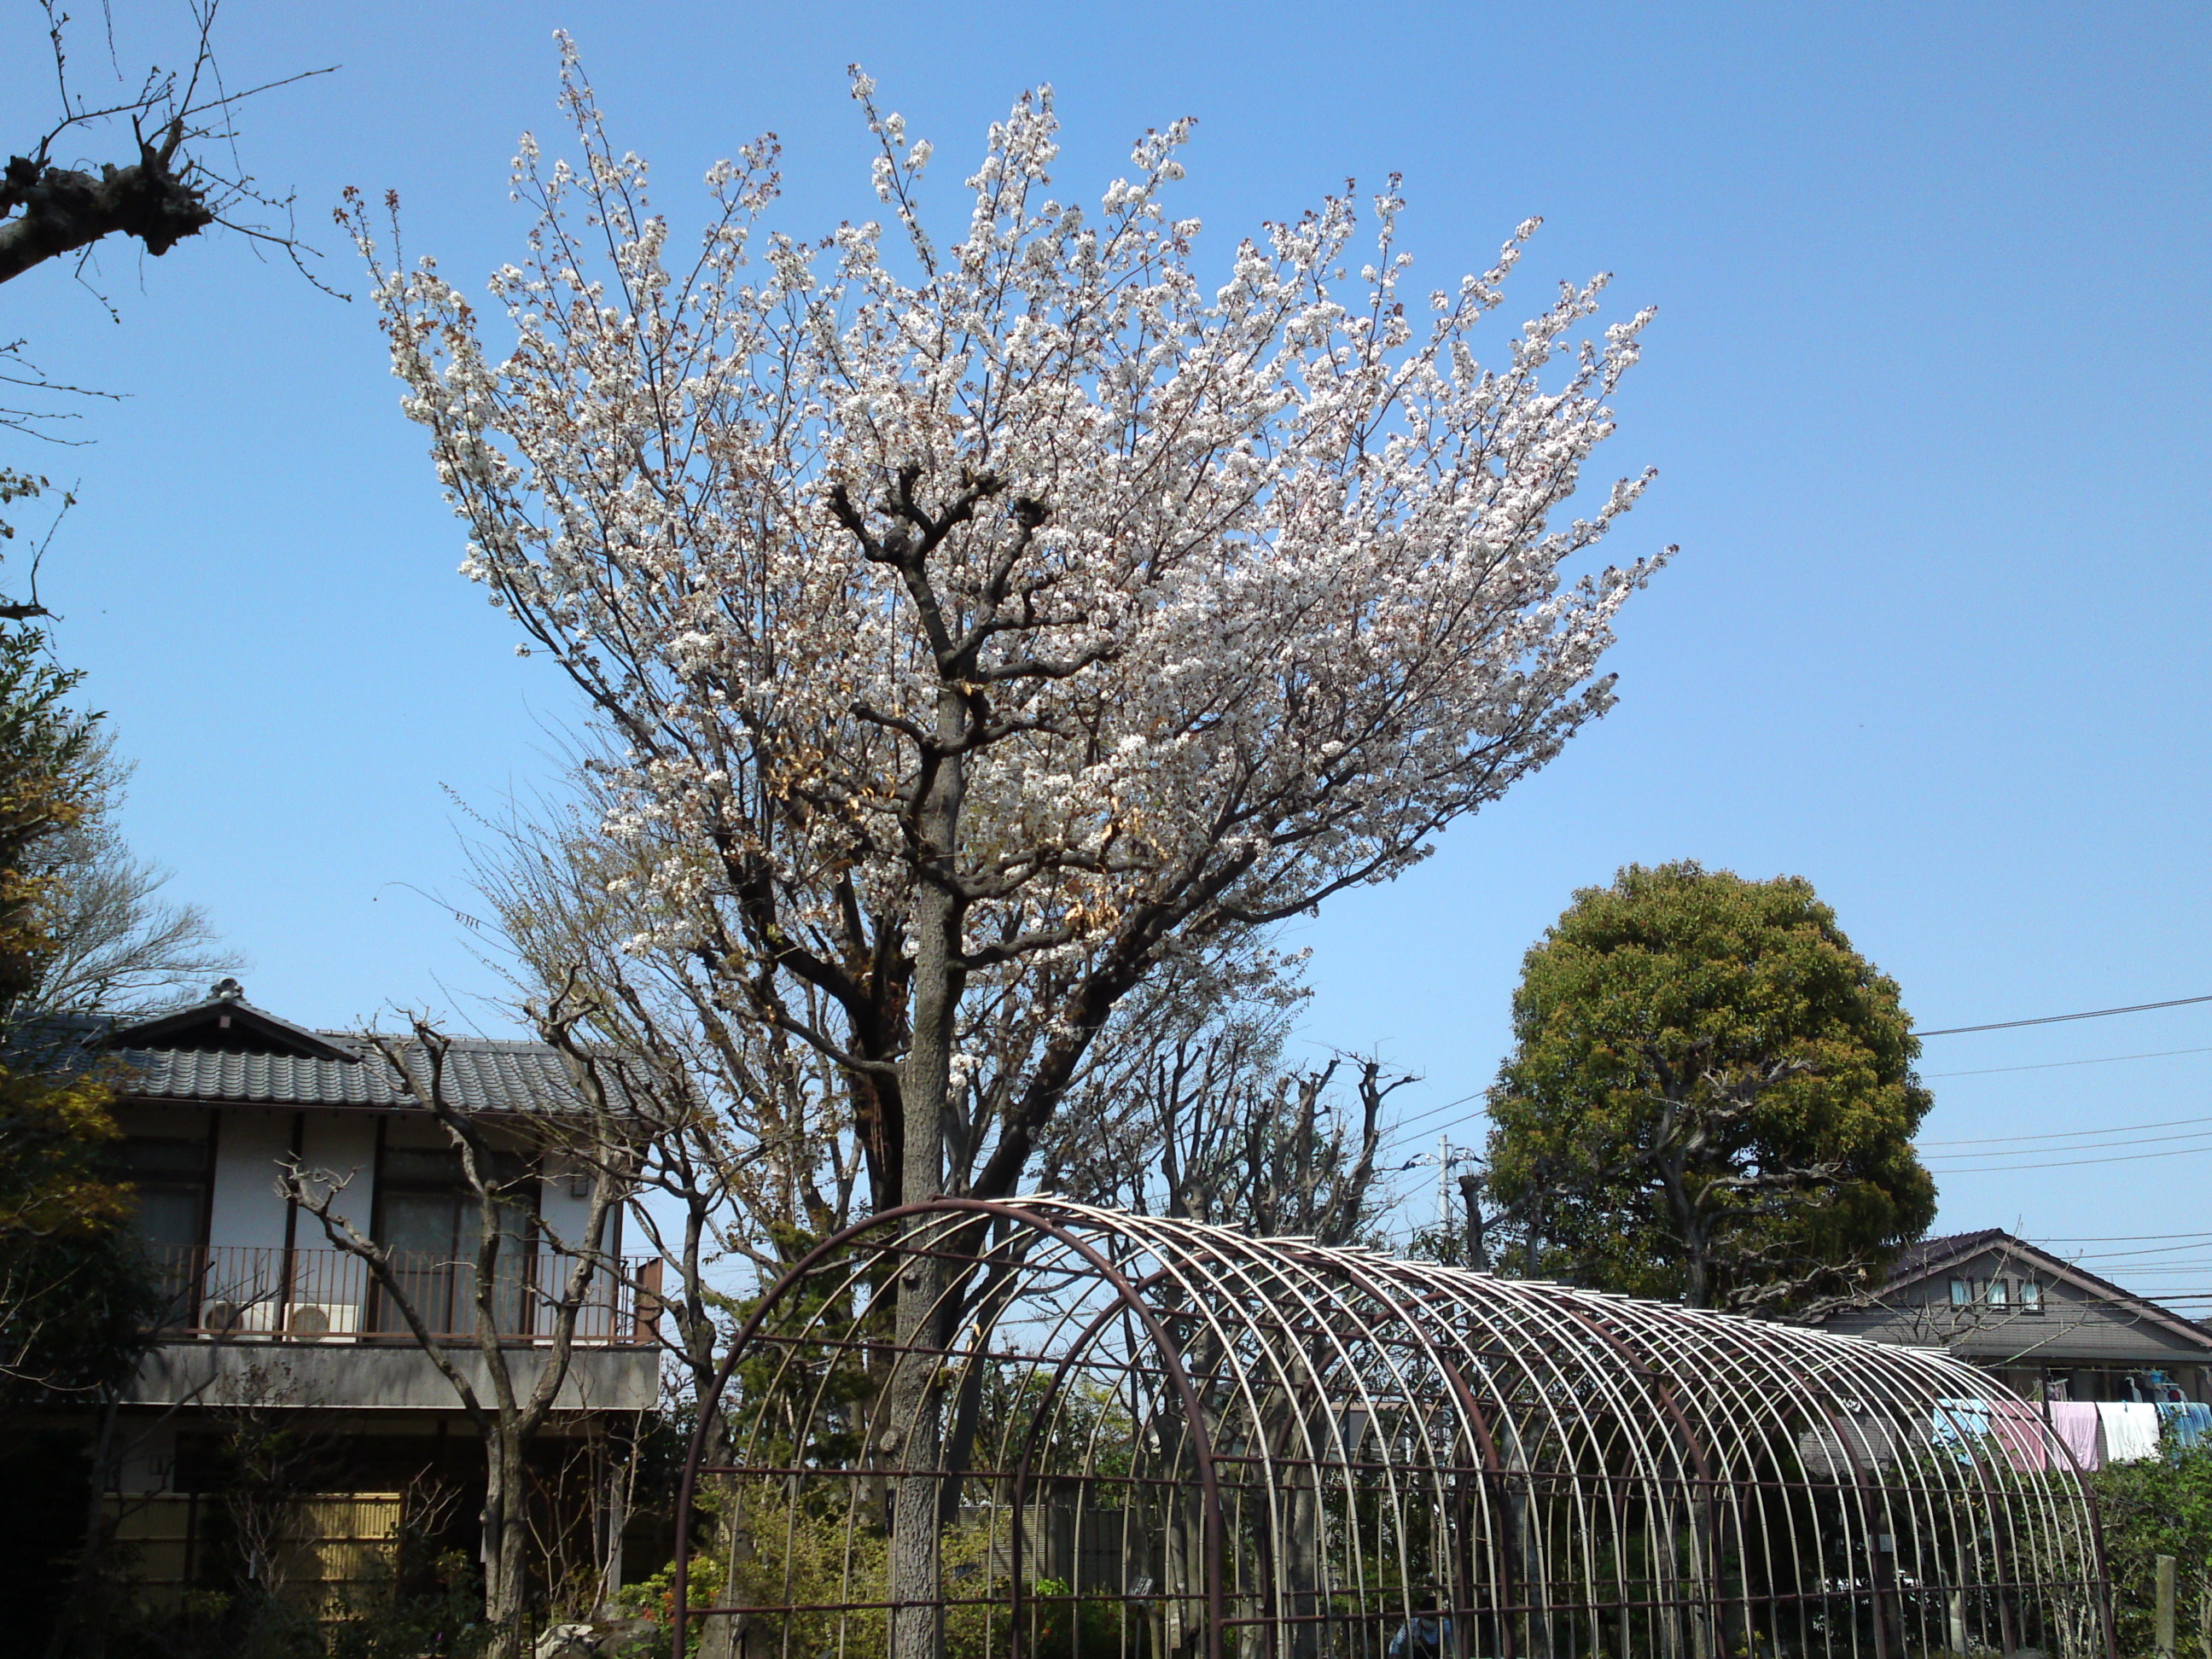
(1131, 614)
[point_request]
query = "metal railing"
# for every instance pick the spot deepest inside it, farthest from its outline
(270, 1294)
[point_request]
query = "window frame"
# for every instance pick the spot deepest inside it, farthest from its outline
(184, 1279)
(393, 1178)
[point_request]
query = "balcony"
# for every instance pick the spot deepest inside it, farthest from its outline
(269, 1295)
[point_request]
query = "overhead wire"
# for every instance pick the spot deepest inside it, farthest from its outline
(2073, 1163)
(2051, 1065)
(2087, 1146)
(2056, 1019)
(1996, 1144)
(2072, 1134)
(1403, 1124)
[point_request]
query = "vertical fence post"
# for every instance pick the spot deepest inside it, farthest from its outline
(2204, 1611)
(2164, 1631)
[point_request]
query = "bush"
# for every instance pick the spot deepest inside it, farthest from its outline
(2159, 1507)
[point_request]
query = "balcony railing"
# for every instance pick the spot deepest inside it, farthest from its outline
(275, 1295)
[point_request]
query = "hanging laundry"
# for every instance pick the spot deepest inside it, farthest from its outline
(2022, 1433)
(2075, 1423)
(2130, 1430)
(1958, 1421)
(2188, 1424)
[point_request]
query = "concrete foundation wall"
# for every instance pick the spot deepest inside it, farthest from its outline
(377, 1377)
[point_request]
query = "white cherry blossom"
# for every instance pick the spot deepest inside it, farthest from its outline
(979, 629)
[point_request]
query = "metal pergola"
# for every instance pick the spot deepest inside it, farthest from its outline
(1144, 1437)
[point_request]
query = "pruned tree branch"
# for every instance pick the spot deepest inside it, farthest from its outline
(165, 191)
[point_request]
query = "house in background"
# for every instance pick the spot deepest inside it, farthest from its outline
(269, 1324)
(2046, 1328)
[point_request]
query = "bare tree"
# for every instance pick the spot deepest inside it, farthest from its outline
(1206, 1120)
(513, 1393)
(166, 188)
(172, 171)
(119, 947)
(744, 1145)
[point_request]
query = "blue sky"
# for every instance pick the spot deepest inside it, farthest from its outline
(1925, 394)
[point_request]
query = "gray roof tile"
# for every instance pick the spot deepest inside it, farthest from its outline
(480, 1075)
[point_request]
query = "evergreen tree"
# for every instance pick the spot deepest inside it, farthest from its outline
(1711, 1096)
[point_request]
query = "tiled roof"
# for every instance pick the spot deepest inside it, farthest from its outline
(1930, 1255)
(1915, 1259)
(226, 1050)
(480, 1075)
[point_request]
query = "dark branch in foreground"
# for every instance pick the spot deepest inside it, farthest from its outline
(162, 195)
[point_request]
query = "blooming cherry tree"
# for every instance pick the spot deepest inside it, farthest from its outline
(980, 630)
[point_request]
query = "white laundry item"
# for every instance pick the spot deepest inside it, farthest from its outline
(2130, 1432)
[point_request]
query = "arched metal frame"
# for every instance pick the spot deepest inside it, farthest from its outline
(1163, 1439)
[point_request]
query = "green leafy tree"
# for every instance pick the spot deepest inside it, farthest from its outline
(1711, 1096)
(72, 1294)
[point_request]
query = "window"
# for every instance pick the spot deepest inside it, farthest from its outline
(169, 1177)
(1997, 1296)
(2031, 1297)
(428, 1218)
(1961, 1293)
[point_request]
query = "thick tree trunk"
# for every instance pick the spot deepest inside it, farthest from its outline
(912, 1445)
(914, 1441)
(505, 1533)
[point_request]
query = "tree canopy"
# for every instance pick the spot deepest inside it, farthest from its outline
(1710, 1096)
(74, 1295)
(982, 629)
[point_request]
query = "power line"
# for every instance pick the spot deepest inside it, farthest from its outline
(2070, 1134)
(2085, 1147)
(2071, 1162)
(2048, 1065)
(2054, 1019)
(1405, 1124)
(2196, 1244)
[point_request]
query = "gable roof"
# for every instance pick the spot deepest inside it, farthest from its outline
(227, 1023)
(1933, 1257)
(479, 1075)
(225, 1051)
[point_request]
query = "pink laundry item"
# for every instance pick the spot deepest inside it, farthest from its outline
(2020, 1430)
(2075, 1423)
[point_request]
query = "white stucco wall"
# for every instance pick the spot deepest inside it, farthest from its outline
(247, 1210)
(344, 1144)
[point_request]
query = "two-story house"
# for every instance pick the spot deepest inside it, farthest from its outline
(2044, 1326)
(267, 1322)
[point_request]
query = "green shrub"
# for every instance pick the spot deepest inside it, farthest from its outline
(2162, 1506)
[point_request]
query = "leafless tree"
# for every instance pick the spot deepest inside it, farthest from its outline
(168, 186)
(119, 947)
(513, 1393)
(743, 1145)
(172, 170)
(1208, 1122)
